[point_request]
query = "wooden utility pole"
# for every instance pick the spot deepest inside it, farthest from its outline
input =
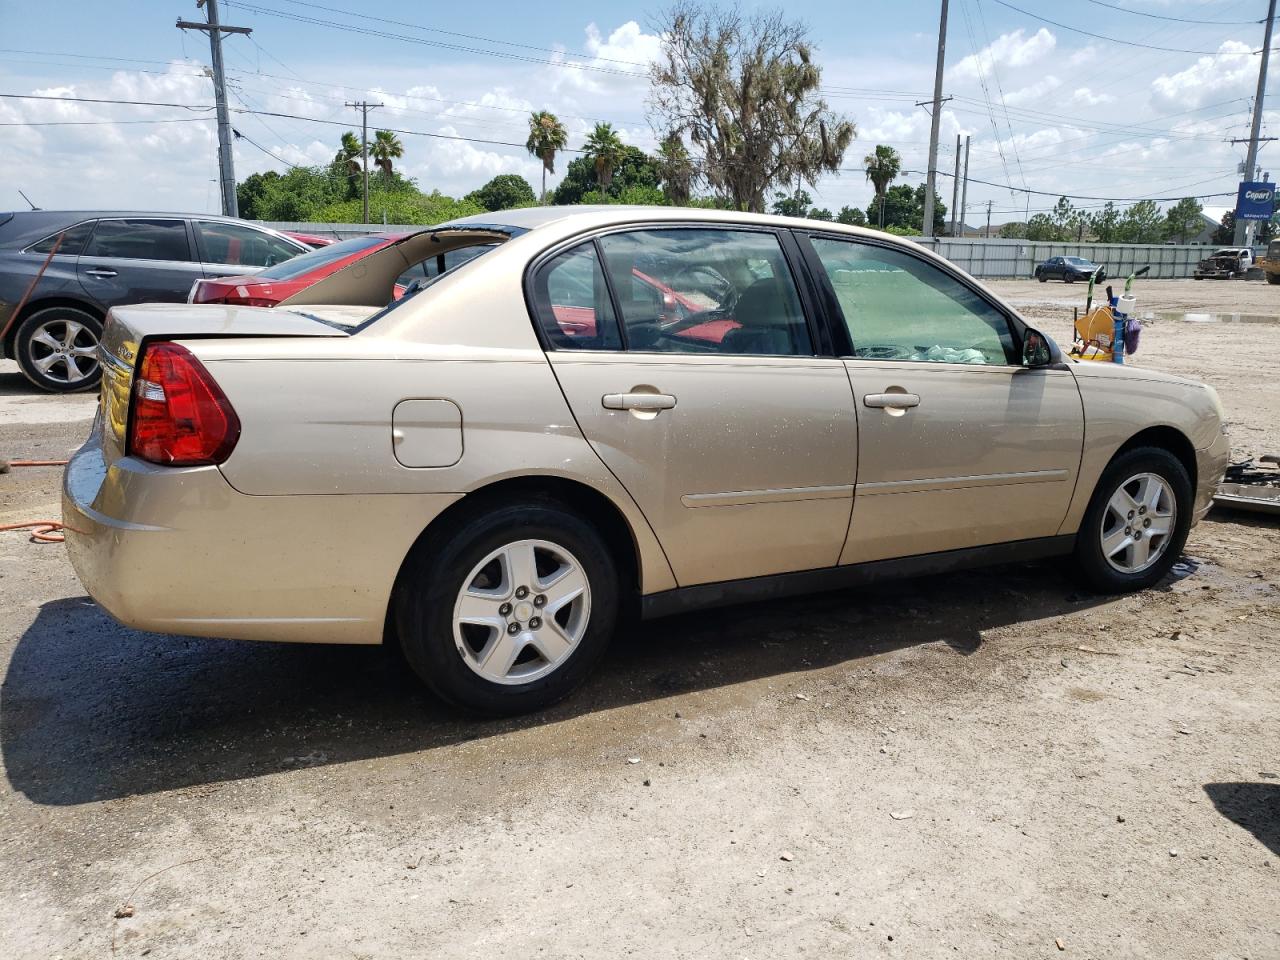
(931, 179)
(964, 191)
(226, 164)
(364, 107)
(988, 230)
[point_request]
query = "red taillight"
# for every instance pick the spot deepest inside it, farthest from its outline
(179, 416)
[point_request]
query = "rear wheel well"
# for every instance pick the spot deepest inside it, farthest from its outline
(1165, 438)
(571, 495)
(43, 304)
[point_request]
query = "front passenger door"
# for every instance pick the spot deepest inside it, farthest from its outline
(959, 445)
(689, 364)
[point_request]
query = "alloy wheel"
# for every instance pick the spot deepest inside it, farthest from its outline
(522, 611)
(1138, 523)
(64, 350)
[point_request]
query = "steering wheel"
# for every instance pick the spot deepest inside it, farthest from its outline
(709, 282)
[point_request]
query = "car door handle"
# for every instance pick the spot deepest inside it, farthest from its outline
(652, 402)
(102, 272)
(893, 400)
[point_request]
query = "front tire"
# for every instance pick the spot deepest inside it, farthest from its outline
(57, 349)
(510, 611)
(1137, 522)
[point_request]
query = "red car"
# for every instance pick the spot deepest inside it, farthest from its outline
(310, 239)
(704, 318)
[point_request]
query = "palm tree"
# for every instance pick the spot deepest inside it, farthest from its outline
(883, 165)
(386, 147)
(349, 154)
(547, 136)
(675, 168)
(606, 151)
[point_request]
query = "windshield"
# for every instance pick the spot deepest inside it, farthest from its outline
(305, 263)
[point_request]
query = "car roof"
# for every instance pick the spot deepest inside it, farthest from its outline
(21, 227)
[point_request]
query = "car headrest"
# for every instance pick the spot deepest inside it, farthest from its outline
(762, 305)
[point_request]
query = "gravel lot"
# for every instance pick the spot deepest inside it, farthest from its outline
(989, 764)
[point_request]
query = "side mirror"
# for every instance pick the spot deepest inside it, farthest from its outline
(1036, 351)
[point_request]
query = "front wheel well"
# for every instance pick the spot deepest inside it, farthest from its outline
(1165, 438)
(572, 495)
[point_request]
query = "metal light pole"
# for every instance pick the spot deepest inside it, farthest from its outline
(364, 107)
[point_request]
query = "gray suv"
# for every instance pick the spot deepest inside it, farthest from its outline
(106, 259)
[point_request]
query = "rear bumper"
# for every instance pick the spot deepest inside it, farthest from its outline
(178, 550)
(1211, 464)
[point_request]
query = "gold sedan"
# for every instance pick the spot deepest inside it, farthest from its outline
(684, 408)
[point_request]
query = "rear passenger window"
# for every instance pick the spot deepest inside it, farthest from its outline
(572, 302)
(236, 245)
(141, 240)
(686, 290)
(73, 239)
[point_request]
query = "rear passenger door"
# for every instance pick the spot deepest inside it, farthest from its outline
(692, 369)
(139, 260)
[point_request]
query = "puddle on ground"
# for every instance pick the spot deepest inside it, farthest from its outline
(1208, 317)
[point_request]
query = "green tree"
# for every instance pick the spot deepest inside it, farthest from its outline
(385, 148)
(675, 169)
(1226, 232)
(637, 169)
(606, 151)
(1184, 220)
(793, 204)
(821, 213)
(1142, 223)
(1042, 226)
(251, 194)
(883, 166)
(1106, 223)
(1063, 217)
(1013, 230)
(504, 192)
(898, 205)
(745, 90)
(851, 216)
(547, 137)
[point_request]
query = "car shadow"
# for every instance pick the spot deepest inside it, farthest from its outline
(91, 711)
(1254, 806)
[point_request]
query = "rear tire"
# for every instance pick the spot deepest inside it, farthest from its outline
(57, 349)
(488, 615)
(1137, 522)
(1042, 278)
(1273, 278)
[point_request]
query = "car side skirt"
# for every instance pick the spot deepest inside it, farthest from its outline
(707, 595)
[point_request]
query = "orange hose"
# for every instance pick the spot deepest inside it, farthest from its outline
(42, 531)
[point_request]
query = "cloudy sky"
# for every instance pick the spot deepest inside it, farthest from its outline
(1048, 106)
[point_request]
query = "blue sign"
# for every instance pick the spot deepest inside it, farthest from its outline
(1255, 200)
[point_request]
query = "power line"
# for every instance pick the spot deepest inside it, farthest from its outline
(241, 136)
(1127, 43)
(131, 103)
(387, 35)
(1159, 16)
(99, 123)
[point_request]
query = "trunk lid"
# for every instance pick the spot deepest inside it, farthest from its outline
(129, 328)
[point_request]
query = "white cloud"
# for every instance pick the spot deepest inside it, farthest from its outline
(1012, 50)
(1085, 97)
(1035, 93)
(1235, 70)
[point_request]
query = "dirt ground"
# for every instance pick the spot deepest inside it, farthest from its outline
(990, 764)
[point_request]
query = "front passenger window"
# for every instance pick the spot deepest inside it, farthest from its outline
(900, 307)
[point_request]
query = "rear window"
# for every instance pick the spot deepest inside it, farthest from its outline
(305, 263)
(139, 239)
(73, 240)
